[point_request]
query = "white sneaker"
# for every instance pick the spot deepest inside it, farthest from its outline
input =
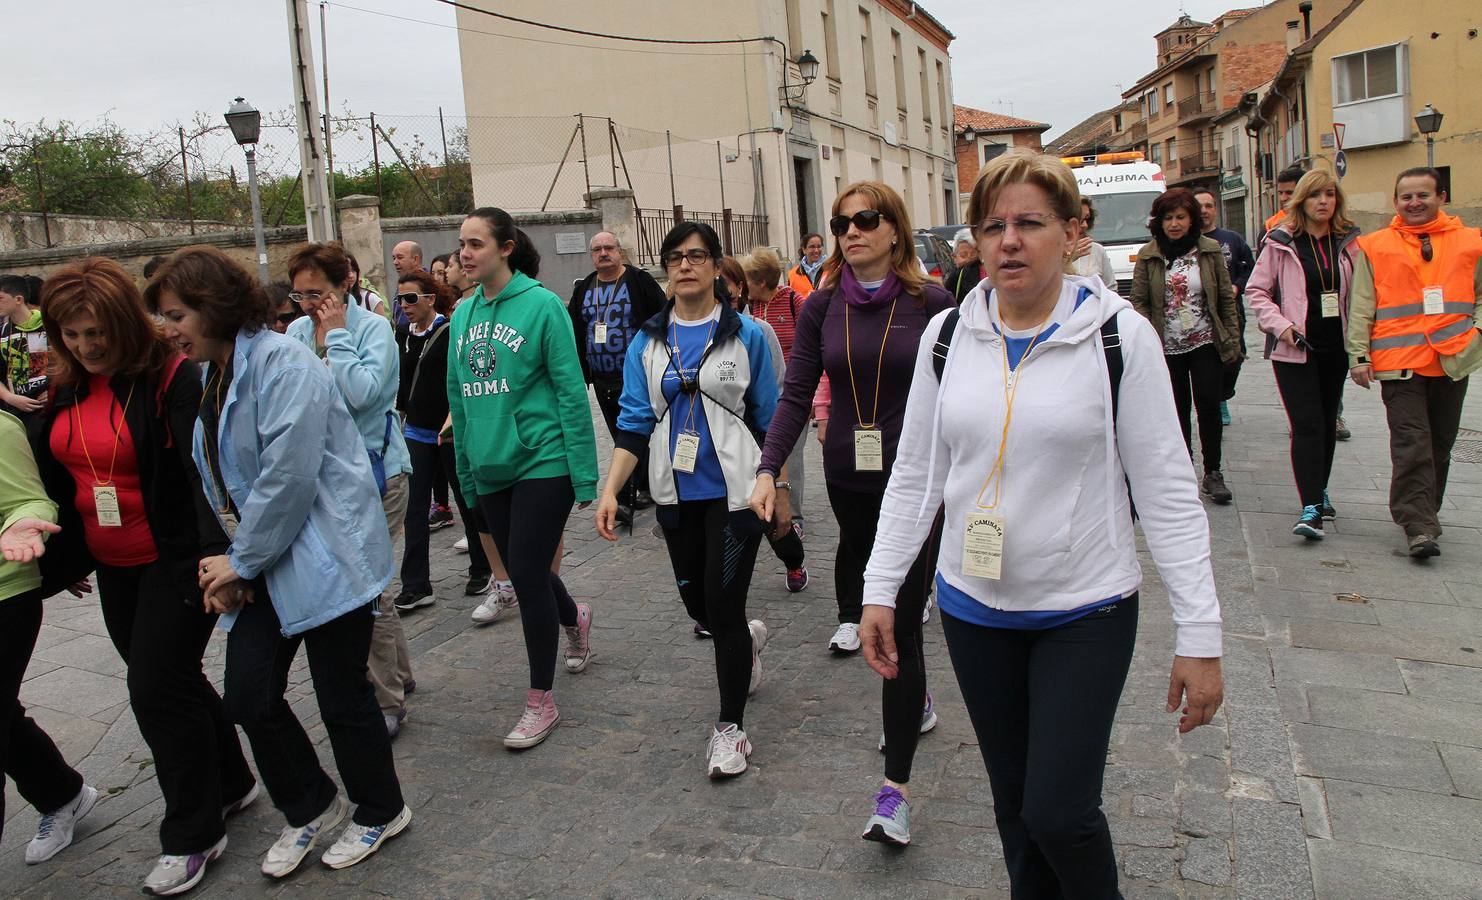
(54, 831)
(359, 841)
(846, 639)
(758, 641)
(295, 843)
(461, 545)
(499, 602)
(728, 752)
(173, 875)
(931, 601)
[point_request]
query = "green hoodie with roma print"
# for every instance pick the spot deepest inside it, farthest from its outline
(516, 393)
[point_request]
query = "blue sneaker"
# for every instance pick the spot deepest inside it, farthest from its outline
(359, 841)
(891, 823)
(1224, 413)
(1326, 508)
(1310, 524)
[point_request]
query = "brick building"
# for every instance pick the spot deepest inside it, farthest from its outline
(981, 135)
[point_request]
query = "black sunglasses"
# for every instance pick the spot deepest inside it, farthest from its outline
(864, 220)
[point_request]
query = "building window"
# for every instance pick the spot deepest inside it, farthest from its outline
(992, 151)
(899, 65)
(1171, 149)
(1369, 75)
(830, 41)
(867, 51)
(942, 93)
(1168, 95)
(925, 85)
(1155, 154)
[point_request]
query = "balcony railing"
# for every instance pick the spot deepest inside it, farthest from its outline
(1198, 163)
(1197, 106)
(1131, 136)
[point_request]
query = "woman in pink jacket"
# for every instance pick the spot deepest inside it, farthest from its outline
(1299, 293)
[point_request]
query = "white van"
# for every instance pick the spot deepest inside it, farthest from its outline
(1122, 187)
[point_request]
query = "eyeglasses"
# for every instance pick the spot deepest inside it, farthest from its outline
(412, 299)
(696, 257)
(301, 296)
(1027, 225)
(864, 220)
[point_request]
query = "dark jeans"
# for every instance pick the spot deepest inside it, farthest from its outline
(1042, 704)
(901, 697)
(27, 754)
(527, 521)
(161, 633)
(1198, 379)
(713, 552)
(1424, 413)
(258, 657)
(473, 520)
(1312, 392)
(608, 397)
(1232, 369)
(426, 467)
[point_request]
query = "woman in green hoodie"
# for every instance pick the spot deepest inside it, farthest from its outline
(525, 447)
(27, 754)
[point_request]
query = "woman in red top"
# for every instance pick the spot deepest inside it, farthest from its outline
(779, 306)
(115, 457)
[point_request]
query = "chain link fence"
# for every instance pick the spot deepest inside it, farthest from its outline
(63, 184)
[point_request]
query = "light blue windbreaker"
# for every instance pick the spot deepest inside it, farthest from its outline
(296, 468)
(366, 365)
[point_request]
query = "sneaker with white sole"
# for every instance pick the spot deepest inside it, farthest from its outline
(536, 722)
(729, 748)
(173, 875)
(928, 719)
(55, 829)
(579, 639)
(294, 843)
(758, 641)
(461, 545)
(499, 603)
(931, 601)
(845, 639)
(891, 823)
(357, 842)
(246, 800)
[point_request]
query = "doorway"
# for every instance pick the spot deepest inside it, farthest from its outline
(803, 186)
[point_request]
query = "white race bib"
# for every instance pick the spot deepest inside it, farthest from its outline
(599, 333)
(982, 546)
(1434, 298)
(686, 451)
(1186, 318)
(1329, 304)
(105, 500)
(869, 450)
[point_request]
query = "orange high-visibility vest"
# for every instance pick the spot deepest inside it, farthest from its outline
(1404, 337)
(1275, 219)
(797, 279)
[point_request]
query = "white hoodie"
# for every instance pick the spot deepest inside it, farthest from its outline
(1068, 537)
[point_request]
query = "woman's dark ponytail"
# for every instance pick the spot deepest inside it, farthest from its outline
(525, 257)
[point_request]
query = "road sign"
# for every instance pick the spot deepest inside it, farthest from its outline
(1340, 163)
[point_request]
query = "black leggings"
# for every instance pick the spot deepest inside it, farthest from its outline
(1312, 393)
(713, 552)
(527, 520)
(901, 697)
(1046, 758)
(1199, 378)
(27, 754)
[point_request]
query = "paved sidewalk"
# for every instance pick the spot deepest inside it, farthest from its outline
(616, 804)
(1377, 658)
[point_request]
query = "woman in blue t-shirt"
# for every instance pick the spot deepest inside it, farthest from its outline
(699, 392)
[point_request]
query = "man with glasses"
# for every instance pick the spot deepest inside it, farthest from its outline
(607, 308)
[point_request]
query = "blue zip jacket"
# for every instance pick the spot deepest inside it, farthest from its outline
(366, 365)
(294, 464)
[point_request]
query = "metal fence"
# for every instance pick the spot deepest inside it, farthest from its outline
(184, 179)
(738, 232)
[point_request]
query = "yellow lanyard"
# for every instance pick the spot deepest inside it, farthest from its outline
(206, 446)
(879, 367)
(677, 361)
(117, 436)
(1325, 263)
(1010, 390)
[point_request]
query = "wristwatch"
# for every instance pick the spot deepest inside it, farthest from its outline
(784, 485)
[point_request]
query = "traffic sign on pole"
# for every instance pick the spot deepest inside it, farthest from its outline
(1340, 164)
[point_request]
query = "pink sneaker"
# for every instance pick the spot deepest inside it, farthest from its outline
(536, 723)
(578, 640)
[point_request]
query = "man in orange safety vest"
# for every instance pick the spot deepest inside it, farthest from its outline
(1412, 325)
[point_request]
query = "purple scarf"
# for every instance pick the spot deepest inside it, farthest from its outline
(855, 295)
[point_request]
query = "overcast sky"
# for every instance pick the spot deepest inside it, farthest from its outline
(149, 63)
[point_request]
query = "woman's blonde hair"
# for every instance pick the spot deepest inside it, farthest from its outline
(763, 266)
(1023, 166)
(903, 262)
(1311, 183)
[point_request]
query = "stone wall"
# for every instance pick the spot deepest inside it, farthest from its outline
(133, 254)
(552, 232)
(30, 231)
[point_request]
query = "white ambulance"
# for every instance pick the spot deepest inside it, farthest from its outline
(1122, 186)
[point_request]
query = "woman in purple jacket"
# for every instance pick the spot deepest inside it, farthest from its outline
(863, 327)
(1299, 292)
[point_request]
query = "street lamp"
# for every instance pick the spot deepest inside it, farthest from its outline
(790, 93)
(808, 66)
(246, 124)
(968, 135)
(1428, 121)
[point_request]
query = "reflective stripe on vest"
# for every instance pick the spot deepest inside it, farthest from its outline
(1403, 336)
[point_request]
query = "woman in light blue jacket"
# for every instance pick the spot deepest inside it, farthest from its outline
(286, 469)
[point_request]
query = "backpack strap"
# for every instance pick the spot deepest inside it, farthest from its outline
(1111, 345)
(944, 342)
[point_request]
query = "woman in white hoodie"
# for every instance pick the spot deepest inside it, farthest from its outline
(1024, 427)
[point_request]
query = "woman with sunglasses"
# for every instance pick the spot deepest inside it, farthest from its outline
(422, 399)
(286, 473)
(284, 310)
(698, 394)
(115, 456)
(1299, 292)
(525, 446)
(359, 349)
(862, 328)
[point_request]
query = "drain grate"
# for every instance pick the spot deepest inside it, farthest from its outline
(1468, 446)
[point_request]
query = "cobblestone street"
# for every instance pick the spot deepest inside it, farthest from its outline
(1347, 761)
